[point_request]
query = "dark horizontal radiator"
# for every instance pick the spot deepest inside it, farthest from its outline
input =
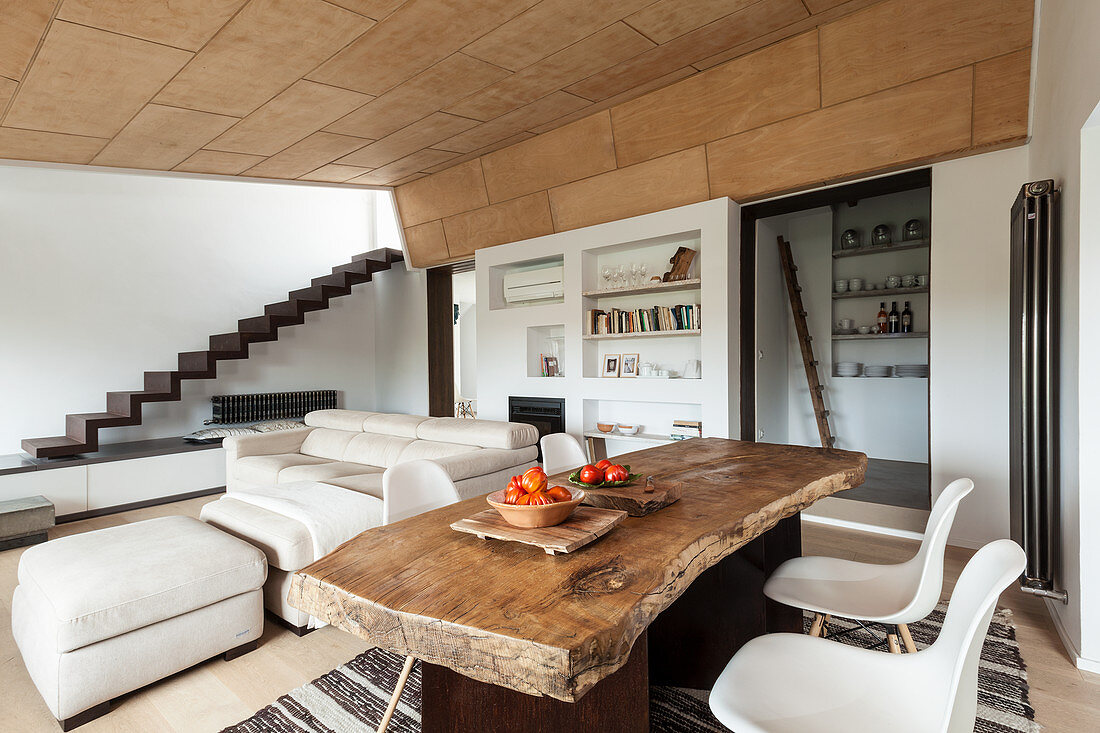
(238, 408)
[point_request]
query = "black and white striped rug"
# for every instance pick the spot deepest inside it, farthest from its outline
(353, 697)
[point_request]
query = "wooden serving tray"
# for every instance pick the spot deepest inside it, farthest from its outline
(637, 499)
(583, 526)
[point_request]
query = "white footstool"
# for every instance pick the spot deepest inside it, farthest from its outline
(100, 614)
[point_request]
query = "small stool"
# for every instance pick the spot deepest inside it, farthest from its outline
(25, 521)
(100, 614)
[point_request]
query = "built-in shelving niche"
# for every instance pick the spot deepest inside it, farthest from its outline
(655, 419)
(545, 341)
(497, 274)
(667, 350)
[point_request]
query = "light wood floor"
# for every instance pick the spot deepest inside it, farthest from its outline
(217, 693)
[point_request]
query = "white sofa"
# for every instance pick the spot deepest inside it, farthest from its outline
(351, 449)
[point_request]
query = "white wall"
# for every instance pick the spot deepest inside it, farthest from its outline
(401, 342)
(104, 275)
(969, 346)
(1066, 91)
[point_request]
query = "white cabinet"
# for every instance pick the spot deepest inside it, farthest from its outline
(141, 479)
(67, 488)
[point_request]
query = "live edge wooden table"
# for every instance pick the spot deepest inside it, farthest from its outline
(513, 639)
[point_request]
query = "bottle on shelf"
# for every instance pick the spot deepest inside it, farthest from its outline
(882, 317)
(907, 319)
(893, 319)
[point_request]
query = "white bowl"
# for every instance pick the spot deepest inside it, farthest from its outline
(629, 429)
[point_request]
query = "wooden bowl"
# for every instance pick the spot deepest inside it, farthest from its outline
(605, 427)
(530, 517)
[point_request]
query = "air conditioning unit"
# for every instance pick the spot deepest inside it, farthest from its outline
(527, 285)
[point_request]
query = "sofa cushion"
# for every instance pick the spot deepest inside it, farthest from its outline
(322, 472)
(403, 426)
(484, 433)
(327, 443)
(285, 541)
(266, 469)
(364, 483)
(104, 583)
(373, 449)
(483, 461)
(338, 419)
(431, 450)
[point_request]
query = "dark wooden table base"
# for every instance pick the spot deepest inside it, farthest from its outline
(687, 645)
(618, 704)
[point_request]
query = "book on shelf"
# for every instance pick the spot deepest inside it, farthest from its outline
(643, 320)
(684, 429)
(549, 365)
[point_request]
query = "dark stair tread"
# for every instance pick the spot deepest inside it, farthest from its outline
(96, 415)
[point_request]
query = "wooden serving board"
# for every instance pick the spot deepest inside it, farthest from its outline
(583, 526)
(634, 499)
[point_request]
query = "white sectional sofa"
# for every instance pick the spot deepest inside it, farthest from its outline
(351, 449)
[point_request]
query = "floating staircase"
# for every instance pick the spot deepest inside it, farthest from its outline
(124, 408)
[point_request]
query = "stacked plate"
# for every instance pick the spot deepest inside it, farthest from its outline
(876, 370)
(911, 370)
(848, 368)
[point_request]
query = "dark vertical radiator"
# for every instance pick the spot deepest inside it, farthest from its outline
(1033, 383)
(239, 408)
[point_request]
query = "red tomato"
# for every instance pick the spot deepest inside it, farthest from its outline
(513, 493)
(591, 475)
(559, 493)
(522, 501)
(616, 473)
(534, 479)
(538, 498)
(604, 465)
(517, 483)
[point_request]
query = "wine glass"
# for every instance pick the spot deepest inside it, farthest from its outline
(642, 268)
(622, 276)
(606, 272)
(635, 274)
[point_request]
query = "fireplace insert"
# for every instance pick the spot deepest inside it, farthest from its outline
(545, 413)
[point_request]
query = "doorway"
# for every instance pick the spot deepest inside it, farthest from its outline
(848, 244)
(464, 303)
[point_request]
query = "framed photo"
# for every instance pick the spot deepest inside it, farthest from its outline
(611, 365)
(628, 367)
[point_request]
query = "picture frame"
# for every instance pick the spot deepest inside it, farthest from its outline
(611, 365)
(628, 366)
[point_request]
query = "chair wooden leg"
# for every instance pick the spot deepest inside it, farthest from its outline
(907, 638)
(396, 694)
(825, 625)
(817, 625)
(892, 641)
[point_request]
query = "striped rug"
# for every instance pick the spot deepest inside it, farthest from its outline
(352, 697)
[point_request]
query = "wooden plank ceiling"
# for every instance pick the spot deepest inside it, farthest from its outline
(358, 91)
(894, 84)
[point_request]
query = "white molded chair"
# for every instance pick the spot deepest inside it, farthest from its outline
(561, 452)
(792, 683)
(895, 595)
(415, 487)
(409, 489)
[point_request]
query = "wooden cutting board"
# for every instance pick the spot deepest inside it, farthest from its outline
(637, 499)
(583, 526)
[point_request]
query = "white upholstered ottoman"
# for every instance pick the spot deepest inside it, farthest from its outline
(100, 614)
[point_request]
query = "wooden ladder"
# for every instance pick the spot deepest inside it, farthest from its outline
(805, 342)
